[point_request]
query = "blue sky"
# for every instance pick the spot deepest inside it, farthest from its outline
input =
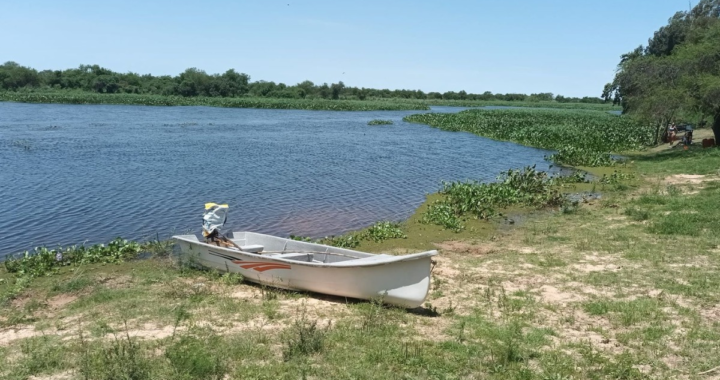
(568, 47)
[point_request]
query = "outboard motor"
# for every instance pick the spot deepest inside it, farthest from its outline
(214, 219)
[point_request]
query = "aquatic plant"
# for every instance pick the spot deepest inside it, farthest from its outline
(441, 213)
(382, 231)
(378, 232)
(82, 97)
(575, 177)
(343, 241)
(615, 178)
(42, 260)
(582, 138)
(520, 103)
(380, 122)
(527, 186)
(300, 238)
(572, 155)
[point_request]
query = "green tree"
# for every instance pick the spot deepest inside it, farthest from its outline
(14, 76)
(678, 73)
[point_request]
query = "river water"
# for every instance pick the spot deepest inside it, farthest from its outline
(89, 173)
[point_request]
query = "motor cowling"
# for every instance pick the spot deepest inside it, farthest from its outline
(214, 219)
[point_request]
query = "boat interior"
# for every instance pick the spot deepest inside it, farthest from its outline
(288, 249)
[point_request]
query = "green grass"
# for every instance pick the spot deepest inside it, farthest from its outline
(694, 161)
(627, 313)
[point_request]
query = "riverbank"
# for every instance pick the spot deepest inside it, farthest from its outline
(621, 287)
(382, 104)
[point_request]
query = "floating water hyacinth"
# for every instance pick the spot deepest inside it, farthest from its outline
(380, 122)
(583, 138)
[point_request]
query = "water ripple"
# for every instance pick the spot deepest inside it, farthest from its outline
(135, 171)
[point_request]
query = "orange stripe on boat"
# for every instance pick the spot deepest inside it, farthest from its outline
(260, 266)
(263, 269)
(253, 265)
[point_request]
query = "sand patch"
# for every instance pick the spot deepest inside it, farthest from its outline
(147, 331)
(118, 282)
(60, 301)
(314, 308)
(57, 376)
(689, 179)
(244, 292)
(585, 329)
(551, 294)
(465, 247)
(10, 335)
(589, 268)
(711, 314)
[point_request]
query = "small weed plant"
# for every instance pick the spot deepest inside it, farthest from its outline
(303, 338)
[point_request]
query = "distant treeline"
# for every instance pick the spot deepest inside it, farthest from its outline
(194, 82)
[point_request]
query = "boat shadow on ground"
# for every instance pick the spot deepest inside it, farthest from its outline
(271, 293)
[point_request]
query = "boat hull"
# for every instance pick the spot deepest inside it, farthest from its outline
(398, 280)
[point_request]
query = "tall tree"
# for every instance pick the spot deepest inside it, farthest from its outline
(679, 70)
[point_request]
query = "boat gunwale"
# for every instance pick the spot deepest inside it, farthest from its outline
(388, 260)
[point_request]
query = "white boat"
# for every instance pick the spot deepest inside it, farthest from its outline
(296, 265)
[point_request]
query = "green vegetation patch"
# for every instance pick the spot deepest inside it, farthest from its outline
(582, 138)
(527, 187)
(82, 97)
(380, 122)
